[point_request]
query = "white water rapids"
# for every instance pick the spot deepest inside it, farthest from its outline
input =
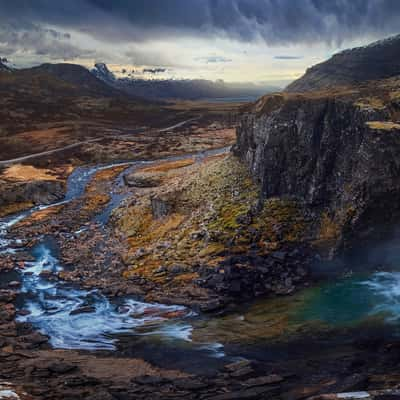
(75, 318)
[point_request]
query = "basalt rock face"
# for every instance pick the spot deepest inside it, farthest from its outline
(339, 158)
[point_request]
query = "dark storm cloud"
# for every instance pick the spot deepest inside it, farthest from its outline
(34, 39)
(275, 21)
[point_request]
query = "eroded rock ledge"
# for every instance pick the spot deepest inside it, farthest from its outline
(335, 152)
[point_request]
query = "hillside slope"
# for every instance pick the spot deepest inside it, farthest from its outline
(379, 60)
(56, 105)
(78, 76)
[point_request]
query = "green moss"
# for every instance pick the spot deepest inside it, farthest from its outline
(212, 249)
(213, 219)
(281, 221)
(227, 216)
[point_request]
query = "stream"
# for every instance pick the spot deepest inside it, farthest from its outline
(75, 318)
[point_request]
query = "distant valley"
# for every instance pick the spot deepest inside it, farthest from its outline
(183, 89)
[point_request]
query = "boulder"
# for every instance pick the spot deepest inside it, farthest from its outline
(160, 206)
(141, 181)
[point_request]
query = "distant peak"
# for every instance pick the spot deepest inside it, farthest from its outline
(4, 64)
(102, 72)
(102, 67)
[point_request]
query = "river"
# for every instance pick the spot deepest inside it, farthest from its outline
(75, 318)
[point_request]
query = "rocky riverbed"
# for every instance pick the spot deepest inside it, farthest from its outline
(222, 366)
(142, 266)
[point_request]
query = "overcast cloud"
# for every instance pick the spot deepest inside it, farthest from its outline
(87, 29)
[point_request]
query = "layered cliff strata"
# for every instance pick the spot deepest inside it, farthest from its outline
(337, 153)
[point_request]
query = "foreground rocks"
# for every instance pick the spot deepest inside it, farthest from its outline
(252, 275)
(27, 360)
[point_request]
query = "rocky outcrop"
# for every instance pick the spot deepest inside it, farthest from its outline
(332, 153)
(36, 192)
(160, 206)
(140, 181)
(379, 60)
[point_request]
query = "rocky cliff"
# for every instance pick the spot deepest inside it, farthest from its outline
(379, 60)
(338, 153)
(18, 196)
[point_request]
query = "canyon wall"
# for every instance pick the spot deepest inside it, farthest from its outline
(337, 155)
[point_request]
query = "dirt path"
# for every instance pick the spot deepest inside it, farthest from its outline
(170, 128)
(71, 146)
(48, 152)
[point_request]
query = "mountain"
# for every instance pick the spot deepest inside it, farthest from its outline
(102, 72)
(184, 89)
(379, 60)
(78, 76)
(3, 66)
(51, 93)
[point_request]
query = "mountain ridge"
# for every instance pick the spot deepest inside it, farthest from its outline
(184, 89)
(77, 75)
(378, 60)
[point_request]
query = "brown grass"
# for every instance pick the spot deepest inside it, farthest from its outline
(14, 208)
(210, 107)
(43, 135)
(23, 173)
(370, 102)
(168, 166)
(41, 215)
(95, 201)
(329, 229)
(383, 125)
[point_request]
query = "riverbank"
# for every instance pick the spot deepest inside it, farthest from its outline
(40, 178)
(208, 250)
(338, 361)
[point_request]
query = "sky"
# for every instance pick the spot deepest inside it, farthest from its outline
(260, 41)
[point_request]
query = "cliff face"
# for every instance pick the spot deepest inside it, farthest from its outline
(379, 60)
(337, 154)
